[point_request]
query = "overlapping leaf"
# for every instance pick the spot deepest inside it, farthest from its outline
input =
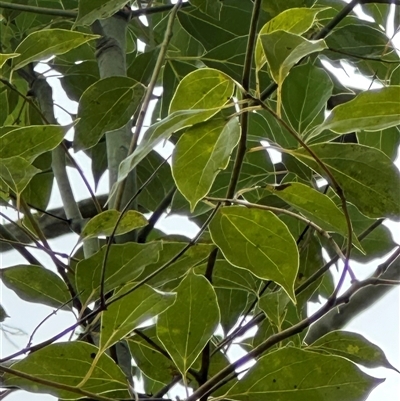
(90, 11)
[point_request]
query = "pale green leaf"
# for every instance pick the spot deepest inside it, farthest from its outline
(45, 43)
(187, 326)
(106, 105)
(128, 313)
(352, 346)
(205, 149)
(104, 223)
(90, 11)
(30, 142)
(259, 241)
(68, 363)
(367, 176)
(5, 57)
(36, 284)
(293, 374)
(125, 262)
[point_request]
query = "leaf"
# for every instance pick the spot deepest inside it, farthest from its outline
(209, 7)
(16, 173)
(3, 314)
(205, 88)
(67, 363)
(352, 346)
(30, 142)
(36, 284)
(128, 313)
(257, 240)
(125, 263)
(386, 140)
(187, 326)
(205, 149)
(106, 105)
(371, 110)
(356, 168)
(45, 43)
(292, 374)
(90, 11)
(104, 223)
(274, 305)
(283, 50)
(304, 94)
(5, 57)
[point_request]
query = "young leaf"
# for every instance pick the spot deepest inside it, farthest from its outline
(187, 326)
(36, 284)
(128, 313)
(125, 263)
(259, 241)
(352, 346)
(293, 374)
(205, 149)
(106, 105)
(104, 223)
(67, 363)
(45, 43)
(356, 168)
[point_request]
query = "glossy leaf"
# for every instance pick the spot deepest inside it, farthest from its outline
(30, 142)
(205, 149)
(90, 11)
(125, 263)
(45, 43)
(352, 346)
(36, 284)
(67, 363)
(187, 326)
(106, 105)
(257, 240)
(104, 223)
(355, 167)
(295, 374)
(128, 313)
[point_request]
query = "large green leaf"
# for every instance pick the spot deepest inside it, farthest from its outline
(124, 263)
(5, 57)
(30, 142)
(367, 176)
(36, 284)
(352, 346)
(209, 7)
(257, 240)
(90, 11)
(106, 105)
(128, 313)
(68, 363)
(371, 110)
(205, 149)
(187, 326)
(104, 223)
(292, 374)
(45, 43)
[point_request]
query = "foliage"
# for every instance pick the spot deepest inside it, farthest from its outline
(239, 77)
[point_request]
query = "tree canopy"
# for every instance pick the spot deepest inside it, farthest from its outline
(227, 83)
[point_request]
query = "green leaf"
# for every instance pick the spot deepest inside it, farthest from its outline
(104, 223)
(36, 284)
(209, 7)
(292, 374)
(371, 110)
(30, 142)
(274, 305)
(257, 240)
(90, 11)
(282, 50)
(205, 149)
(304, 94)
(5, 57)
(352, 346)
(68, 363)
(3, 314)
(45, 43)
(106, 105)
(39, 189)
(386, 140)
(16, 173)
(205, 88)
(187, 326)
(356, 168)
(128, 313)
(124, 263)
